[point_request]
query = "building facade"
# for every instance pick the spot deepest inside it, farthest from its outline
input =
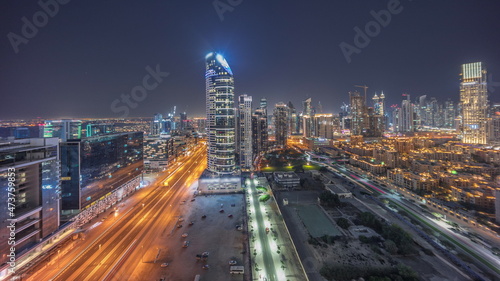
(474, 103)
(244, 132)
(281, 124)
(93, 167)
(29, 173)
(220, 115)
(64, 129)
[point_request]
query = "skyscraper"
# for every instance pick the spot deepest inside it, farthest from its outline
(259, 132)
(281, 124)
(219, 84)
(245, 131)
(474, 103)
(359, 113)
(406, 116)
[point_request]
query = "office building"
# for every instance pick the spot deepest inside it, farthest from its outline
(259, 132)
(63, 129)
(158, 151)
(405, 116)
(281, 124)
(220, 115)
(359, 114)
(474, 103)
(93, 167)
(244, 132)
(99, 129)
(32, 166)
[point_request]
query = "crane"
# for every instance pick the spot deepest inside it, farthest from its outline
(364, 87)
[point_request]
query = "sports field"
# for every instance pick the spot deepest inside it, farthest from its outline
(316, 222)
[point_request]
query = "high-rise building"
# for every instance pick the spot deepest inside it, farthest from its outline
(324, 124)
(308, 118)
(259, 132)
(183, 121)
(220, 115)
(64, 129)
(31, 167)
(158, 150)
(156, 124)
(281, 124)
(474, 103)
(405, 118)
(449, 114)
(263, 106)
(359, 122)
(244, 132)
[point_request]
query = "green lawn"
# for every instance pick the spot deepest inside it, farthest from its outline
(289, 168)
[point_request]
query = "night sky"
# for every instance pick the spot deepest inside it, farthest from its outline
(90, 52)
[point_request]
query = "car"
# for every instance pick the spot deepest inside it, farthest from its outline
(179, 225)
(230, 216)
(233, 205)
(181, 219)
(191, 223)
(206, 266)
(184, 235)
(185, 244)
(232, 262)
(204, 216)
(165, 264)
(221, 211)
(205, 254)
(192, 200)
(239, 228)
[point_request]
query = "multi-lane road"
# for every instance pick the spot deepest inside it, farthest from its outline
(477, 252)
(125, 248)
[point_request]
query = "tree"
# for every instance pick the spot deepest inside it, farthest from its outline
(344, 223)
(391, 247)
(329, 199)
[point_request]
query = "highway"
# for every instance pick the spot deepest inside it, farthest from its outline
(476, 251)
(124, 246)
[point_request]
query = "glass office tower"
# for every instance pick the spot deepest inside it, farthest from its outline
(474, 102)
(220, 115)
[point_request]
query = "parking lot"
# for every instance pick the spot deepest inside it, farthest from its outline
(216, 234)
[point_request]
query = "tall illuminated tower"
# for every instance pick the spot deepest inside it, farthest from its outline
(220, 115)
(244, 132)
(474, 102)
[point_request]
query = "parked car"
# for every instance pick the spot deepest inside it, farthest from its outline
(204, 216)
(184, 235)
(165, 264)
(185, 244)
(206, 266)
(232, 262)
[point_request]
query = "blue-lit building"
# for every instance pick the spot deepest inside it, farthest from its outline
(93, 167)
(220, 115)
(32, 166)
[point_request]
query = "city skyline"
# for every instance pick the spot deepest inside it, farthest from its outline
(82, 79)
